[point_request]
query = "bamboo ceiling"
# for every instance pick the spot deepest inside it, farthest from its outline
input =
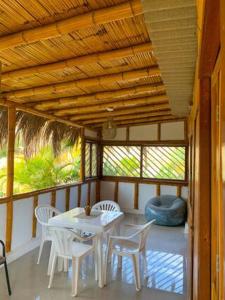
(74, 59)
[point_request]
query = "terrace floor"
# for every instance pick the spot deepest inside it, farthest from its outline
(166, 279)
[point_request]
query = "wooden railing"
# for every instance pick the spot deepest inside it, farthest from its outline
(35, 197)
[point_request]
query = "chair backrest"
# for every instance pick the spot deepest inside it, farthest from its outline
(62, 240)
(107, 205)
(142, 233)
(44, 212)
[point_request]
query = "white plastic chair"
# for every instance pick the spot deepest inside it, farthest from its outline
(109, 206)
(126, 246)
(66, 247)
(43, 213)
(106, 205)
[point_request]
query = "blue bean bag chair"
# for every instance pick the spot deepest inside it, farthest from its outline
(167, 210)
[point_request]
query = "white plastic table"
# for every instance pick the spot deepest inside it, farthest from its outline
(98, 223)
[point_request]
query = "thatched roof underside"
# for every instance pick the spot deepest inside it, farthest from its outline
(74, 59)
(37, 132)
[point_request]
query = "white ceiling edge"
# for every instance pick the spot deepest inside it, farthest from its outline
(172, 26)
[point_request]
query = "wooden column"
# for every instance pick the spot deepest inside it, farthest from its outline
(89, 194)
(34, 226)
(67, 198)
(98, 187)
(116, 191)
(82, 165)
(158, 190)
(136, 195)
(53, 198)
(79, 195)
(10, 174)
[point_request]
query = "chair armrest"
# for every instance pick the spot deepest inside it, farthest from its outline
(3, 247)
(115, 237)
(133, 225)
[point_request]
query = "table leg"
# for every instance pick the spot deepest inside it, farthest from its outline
(100, 260)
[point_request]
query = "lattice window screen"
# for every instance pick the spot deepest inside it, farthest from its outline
(164, 162)
(121, 161)
(94, 160)
(87, 159)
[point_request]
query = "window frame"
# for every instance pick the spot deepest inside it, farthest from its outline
(141, 177)
(91, 143)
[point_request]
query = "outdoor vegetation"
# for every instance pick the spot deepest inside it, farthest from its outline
(157, 162)
(43, 169)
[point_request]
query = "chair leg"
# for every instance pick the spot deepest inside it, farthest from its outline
(50, 259)
(76, 271)
(40, 251)
(145, 263)
(7, 278)
(52, 271)
(135, 260)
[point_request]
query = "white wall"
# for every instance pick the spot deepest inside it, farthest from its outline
(146, 192)
(169, 131)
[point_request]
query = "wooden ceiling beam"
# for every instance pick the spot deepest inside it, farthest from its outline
(90, 99)
(165, 112)
(127, 111)
(82, 83)
(125, 10)
(79, 61)
(143, 121)
(157, 100)
(23, 108)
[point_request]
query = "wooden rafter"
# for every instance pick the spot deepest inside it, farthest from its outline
(125, 10)
(146, 108)
(165, 112)
(96, 98)
(83, 83)
(79, 61)
(144, 120)
(154, 100)
(23, 108)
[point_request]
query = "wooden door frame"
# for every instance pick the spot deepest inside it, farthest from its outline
(210, 44)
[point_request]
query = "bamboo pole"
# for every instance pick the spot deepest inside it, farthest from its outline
(146, 120)
(34, 225)
(89, 194)
(82, 165)
(32, 111)
(83, 83)
(10, 174)
(67, 198)
(116, 191)
(127, 111)
(79, 195)
(125, 10)
(165, 112)
(156, 100)
(136, 195)
(100, 97)
(98, 186)
(53, 198)
(79, 61)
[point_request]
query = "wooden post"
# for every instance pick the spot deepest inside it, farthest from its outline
(98, 187)
(34, 226)
(67, 198)
(136, 195)
(179, 191)
(116, 191)
(53, 198)
(82, 165)
(10, 174)
(158, 190)
(89, 194)
(79, 195)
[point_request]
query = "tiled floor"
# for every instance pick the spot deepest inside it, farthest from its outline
(166, 278)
